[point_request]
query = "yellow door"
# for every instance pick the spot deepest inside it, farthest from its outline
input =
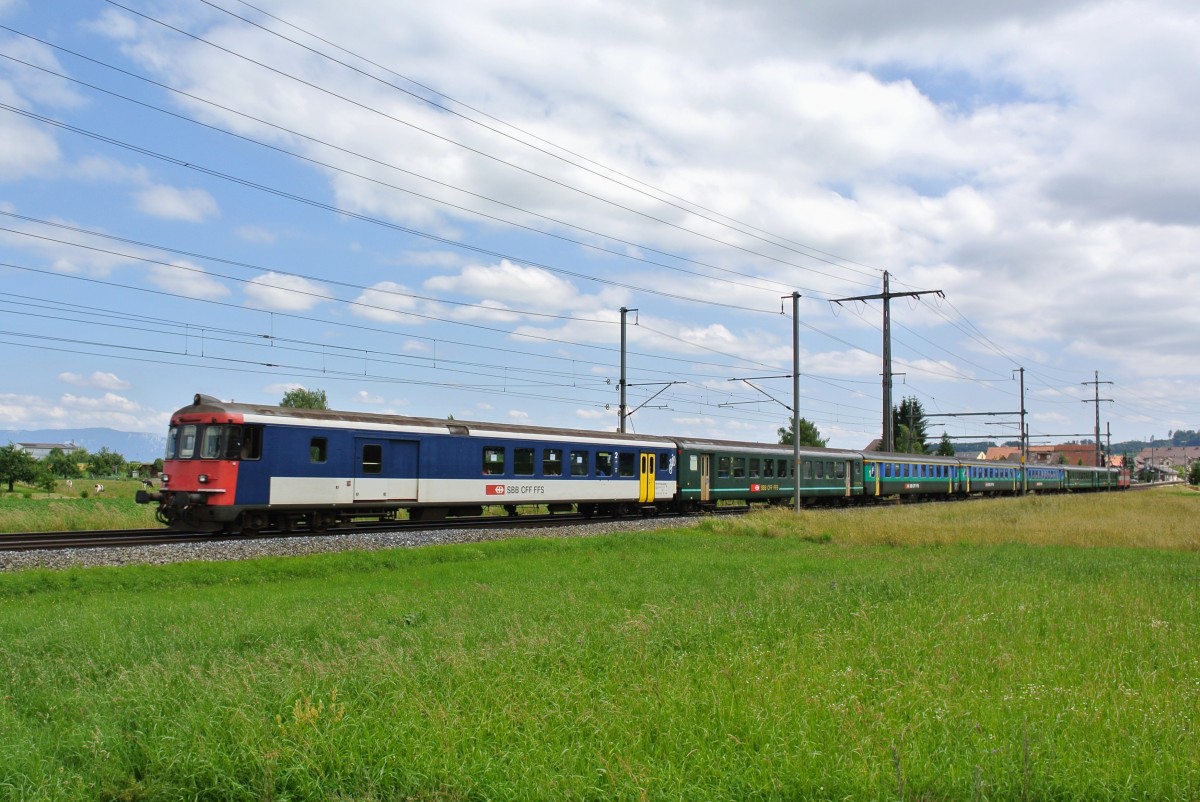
(647, 479)
(705, 477)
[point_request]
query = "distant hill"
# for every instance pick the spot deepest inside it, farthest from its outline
(133, 446)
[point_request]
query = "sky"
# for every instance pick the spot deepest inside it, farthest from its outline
(440, 209)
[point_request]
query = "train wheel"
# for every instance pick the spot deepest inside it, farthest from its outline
(253, 523)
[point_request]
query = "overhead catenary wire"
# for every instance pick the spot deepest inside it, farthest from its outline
(770, 284)
(748, 230)
(362, 217)
(477, 151)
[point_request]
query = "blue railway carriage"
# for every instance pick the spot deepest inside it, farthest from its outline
(1045, 479)
(989, 478)
(711, 471)
(250, 467)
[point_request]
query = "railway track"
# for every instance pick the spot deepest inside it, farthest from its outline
(109, 538)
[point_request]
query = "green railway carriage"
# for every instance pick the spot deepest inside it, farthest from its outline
(830, 476)
(711, 471)
(1082, 478)
(912, 475)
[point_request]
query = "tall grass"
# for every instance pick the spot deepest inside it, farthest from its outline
(739, 660)
(1157, 519)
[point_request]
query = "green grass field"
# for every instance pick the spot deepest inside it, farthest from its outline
(1032, 649)
(75, 508)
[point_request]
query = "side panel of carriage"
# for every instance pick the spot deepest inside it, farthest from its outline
(993, 479)
(309, 467)
(710, 473)
(909, 475)
(830, 475)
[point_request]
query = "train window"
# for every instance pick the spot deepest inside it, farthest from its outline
(723, 467)
(493, 461)
(829, 469)
(755, 467)
(252, 442)
(604, 463)
(783, 468)
(739, 467)
(372, 458)
(522, 462)
(627, 464)
(841, 470)
(806, 471)
(172, 442)
(187, 442)
(552, 462)
(768, 469)
(579, 463)
(210, 442)
(318, 449)
(694, 462)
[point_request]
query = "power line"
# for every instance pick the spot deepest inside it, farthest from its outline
(841, 263)
(476, 151)
(581, 243)
(362, 217)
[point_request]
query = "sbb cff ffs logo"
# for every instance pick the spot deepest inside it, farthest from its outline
(495, 490)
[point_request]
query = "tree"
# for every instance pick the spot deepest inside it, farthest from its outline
(299, 398)
(16, 465)
(44, 480)
(61, 464)
(945, 447)
(1194, 473)
(908, 422)
(106, 463)
(809, 434)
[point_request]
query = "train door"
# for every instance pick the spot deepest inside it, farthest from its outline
(706, 477)
(649, 467)
(385, 469)
(848, 469)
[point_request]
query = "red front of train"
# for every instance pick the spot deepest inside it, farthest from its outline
(200, 470)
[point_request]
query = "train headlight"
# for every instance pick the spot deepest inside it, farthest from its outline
(203, 478)
(164, 478)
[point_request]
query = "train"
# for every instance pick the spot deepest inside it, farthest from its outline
(239, 467)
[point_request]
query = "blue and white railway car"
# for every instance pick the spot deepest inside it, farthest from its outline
(251, 467)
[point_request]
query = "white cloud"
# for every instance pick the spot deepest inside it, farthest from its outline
(172, 203)
(256, 234)
(509, 286)
(25, 149)
(109, 410)
(98, 379)
(184, 278)
(283, 293)
(387, 302)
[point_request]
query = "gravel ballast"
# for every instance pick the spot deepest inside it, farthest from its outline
(251, 548)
